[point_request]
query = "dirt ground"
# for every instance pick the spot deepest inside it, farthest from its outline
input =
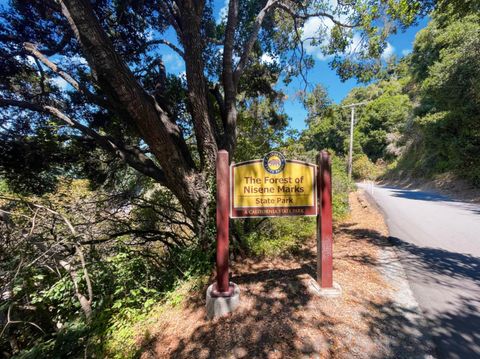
(279, 318)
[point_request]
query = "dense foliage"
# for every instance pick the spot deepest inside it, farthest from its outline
(379, 124)
(78, 263)
(422, 116)
(92, 77)
(445, 82)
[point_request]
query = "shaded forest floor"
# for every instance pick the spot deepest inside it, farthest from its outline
(279, 318)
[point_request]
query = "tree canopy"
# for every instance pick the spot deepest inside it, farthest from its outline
(118, 100)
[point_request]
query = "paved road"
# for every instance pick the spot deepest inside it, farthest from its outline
(439, 246)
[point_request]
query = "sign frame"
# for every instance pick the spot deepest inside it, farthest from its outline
(309, 211)
(227, 292)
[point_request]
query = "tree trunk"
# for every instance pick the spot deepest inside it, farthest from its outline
(86, 307)
(197, 201)
(188, 183)
(85, 303)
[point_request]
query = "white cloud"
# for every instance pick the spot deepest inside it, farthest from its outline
(356, 44)
(406, 52)
(389, 51)
(269, 59)
(320, 28)
(173, 61)
(222, 14)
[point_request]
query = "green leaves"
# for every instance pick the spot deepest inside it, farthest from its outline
(446, 69)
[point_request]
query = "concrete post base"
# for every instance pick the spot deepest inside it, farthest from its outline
(218, 306)
(315, 289)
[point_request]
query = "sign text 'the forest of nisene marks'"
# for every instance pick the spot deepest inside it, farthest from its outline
(273, 187)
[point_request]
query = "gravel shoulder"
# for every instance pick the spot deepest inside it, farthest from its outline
(376, 316)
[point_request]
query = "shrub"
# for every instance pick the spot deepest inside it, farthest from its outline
(279, 236)
(341, 187)
(363, 168)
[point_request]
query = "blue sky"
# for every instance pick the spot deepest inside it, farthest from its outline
(399, 44)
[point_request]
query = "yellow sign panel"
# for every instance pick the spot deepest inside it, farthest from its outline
(273, 187)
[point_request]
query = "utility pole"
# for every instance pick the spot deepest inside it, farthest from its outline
(352, 122)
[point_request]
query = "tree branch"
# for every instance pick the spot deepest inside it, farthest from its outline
(193, 45)
(215, 91)
(42, 76)
(302, 49)
(171, 15)
(253, 37)
(129, 155)
(145, 235)
(86, 275)
(9, 321)
(307, 15)
(229, 113)
(60, 46)
(229, 44)
(162, 42)
(32, 49)
(214, 41)
(115, 78)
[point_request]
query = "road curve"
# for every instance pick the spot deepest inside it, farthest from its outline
(438, 242)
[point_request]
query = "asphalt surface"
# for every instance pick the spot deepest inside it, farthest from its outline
(438, 242)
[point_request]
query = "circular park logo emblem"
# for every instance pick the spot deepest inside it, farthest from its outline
(274, 162)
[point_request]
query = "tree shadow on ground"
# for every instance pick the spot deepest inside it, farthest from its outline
(433, 197)
(400, 329)
(438, 261)
(420, 195)
(266, 324)
(431, 263)
(456, 333)
(456, 329)
(280, 318)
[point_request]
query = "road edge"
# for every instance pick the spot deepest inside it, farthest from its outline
(392, 269)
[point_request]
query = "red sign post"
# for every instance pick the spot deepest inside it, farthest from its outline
(324, 221)
(223, 288)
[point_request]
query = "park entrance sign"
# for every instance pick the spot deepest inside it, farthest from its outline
(273, 186)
